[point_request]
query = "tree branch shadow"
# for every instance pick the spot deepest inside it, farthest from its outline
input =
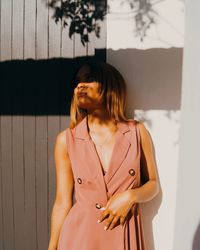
(84, 17)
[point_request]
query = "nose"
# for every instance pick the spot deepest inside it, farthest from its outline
(80, 85)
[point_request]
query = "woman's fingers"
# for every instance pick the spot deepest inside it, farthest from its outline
(103, 216)
(109, 221)
(113, 222)
(122, 219)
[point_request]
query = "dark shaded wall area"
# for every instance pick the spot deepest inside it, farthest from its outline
(37, 87)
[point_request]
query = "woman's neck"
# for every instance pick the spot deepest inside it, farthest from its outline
(101, 122)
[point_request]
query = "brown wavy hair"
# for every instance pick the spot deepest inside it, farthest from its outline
(112, 90)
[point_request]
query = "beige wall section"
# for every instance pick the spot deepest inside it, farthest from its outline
(187, 220)
(27, 169)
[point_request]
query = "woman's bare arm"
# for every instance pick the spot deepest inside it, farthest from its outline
(150, 188)
(64, 189)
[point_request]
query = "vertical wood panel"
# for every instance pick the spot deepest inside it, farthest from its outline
(53, 130)
(15, 97)
(18, 181)
(67, 43)
(6, 29)
(6, 135)
(30, 220)
(0, 30)
(1, 194)
(41, 164)
(41, 182)
(7, 182)
(41, 132)
(30, 29)
(17, 124)
(54, 35)
(30, 217)
(42, 29)
(79, 49)
(17, 23)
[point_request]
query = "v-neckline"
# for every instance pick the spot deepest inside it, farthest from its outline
(105, 173)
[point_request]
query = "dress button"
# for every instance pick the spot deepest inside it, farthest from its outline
(131, 171)
(79, 180)
(98, 205)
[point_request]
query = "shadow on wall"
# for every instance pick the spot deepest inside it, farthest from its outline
(84, 17)
(196, 241)
(39, 87)
(49, 81)
(155, 76)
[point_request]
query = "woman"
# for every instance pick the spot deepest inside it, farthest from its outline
(99, 155)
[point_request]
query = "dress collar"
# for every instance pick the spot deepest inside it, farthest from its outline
(81, 129)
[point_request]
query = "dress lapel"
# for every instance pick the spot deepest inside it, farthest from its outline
(120, 150)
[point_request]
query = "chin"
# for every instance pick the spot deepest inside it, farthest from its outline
(83, 105)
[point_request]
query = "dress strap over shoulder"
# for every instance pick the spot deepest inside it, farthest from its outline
(134, 126)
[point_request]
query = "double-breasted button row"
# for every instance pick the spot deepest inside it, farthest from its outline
(79, 180)
(131, 171)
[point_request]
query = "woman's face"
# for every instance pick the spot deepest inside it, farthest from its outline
(87, 95)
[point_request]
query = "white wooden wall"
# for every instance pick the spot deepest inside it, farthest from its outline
(27, 30)
(27, 170)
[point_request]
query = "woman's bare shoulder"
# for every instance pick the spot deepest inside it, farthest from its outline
(144, 132)
(61, 137)
(142, 126)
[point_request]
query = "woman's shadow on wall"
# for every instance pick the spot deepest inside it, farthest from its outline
(196, 240)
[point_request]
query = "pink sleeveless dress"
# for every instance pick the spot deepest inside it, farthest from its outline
(93, 188)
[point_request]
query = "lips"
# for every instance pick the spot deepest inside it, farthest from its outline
(82, 94)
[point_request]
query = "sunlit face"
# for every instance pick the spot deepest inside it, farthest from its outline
(88, 96)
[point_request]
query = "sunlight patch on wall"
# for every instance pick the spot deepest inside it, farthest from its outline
(145, 24)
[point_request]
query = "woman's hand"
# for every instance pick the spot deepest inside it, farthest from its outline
(117, 208)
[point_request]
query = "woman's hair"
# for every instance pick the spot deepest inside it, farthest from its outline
(112, 90)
